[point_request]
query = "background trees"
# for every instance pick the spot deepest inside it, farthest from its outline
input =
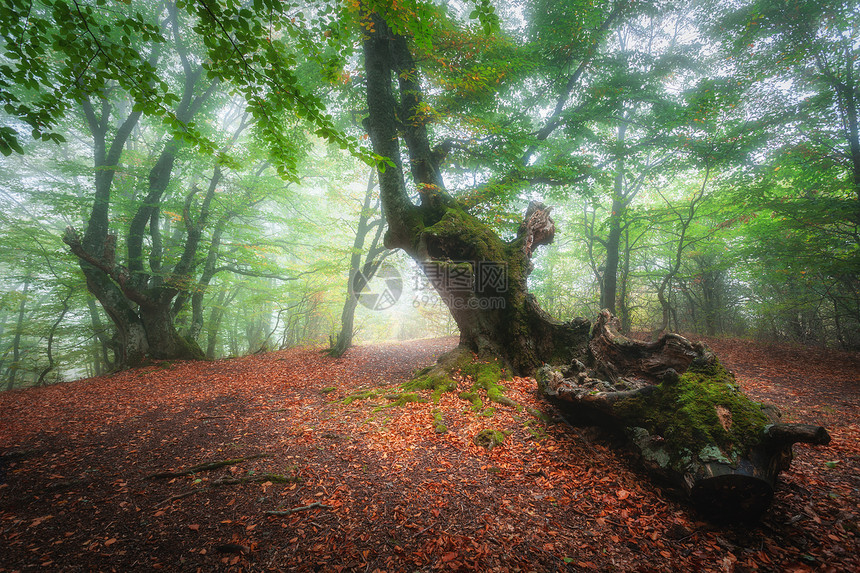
(702, 161)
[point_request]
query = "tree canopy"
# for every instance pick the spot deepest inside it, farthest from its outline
(167, 163)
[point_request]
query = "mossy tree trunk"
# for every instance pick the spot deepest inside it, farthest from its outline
(480, 277)
(683, 415)
(681, 409)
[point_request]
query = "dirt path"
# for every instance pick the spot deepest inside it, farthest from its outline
(393, 494)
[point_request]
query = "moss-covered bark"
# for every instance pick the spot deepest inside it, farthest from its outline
(680, 408)
(496, 318)
(692, 426)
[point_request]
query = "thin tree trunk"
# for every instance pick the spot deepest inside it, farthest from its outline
(359, 273)
(613, 240)
(19, 328)
(100, 331)
(51, 333)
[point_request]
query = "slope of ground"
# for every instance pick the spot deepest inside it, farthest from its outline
(377, 488)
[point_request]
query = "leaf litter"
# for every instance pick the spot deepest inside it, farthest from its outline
(367, 486)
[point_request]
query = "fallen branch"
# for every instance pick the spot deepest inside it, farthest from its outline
(791, 433)
(260, 478)
(274, 478)
(205, 467)
(173, 498)
(313, 505)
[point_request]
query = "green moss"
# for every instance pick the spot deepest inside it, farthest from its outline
(457, 225)
(439, 378)
(535, 429)
(474, 398)
(402, 399)
(490, 438)
(328, 390)
(436, 381)
(686, 413)
(361, 395)
(539, 415)
(487, 376)
(439, 422)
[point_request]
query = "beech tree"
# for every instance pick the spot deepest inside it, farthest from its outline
(607, 378)
(797, 63)
(465, 126)
(133, 76)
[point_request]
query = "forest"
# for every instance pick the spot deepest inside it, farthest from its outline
(421, 205)
(702, 162)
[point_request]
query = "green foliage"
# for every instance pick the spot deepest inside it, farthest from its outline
(439, 422)
(57, 53)
(609, 110)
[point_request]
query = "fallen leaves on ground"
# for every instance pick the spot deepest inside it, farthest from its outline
(367, 487)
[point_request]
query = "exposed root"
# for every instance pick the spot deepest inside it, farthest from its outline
(458, 365)
(360, 395)
(313, 505)
(259, 478)
(205, 467)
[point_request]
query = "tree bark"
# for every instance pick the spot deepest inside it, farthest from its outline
(16, 342)
(106, 343)
(49, 350)
(682, 415)
(480, 278)
(727, 460)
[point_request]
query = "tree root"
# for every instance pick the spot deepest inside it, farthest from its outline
(313, 505)
(205, 467)
(452, 367)
(260, 478)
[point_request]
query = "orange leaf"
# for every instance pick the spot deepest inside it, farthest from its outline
(449, 556)
(622, 494)
(194, 527)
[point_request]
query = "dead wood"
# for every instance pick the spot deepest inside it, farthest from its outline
(682, 415)
(205, 467)
(313, 505)
(259, 478)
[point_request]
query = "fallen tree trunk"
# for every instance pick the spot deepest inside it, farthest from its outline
(682, 415)
(681, 409)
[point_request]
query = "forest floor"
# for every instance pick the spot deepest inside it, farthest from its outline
(376, 488)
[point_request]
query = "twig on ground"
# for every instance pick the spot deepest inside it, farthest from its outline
(173, 498)
(260, 478)
(205, 467)
(313, 505)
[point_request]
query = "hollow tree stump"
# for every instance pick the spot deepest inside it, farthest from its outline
(683, 415)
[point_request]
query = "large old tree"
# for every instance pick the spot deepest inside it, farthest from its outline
(680, 409)
(480, 277)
